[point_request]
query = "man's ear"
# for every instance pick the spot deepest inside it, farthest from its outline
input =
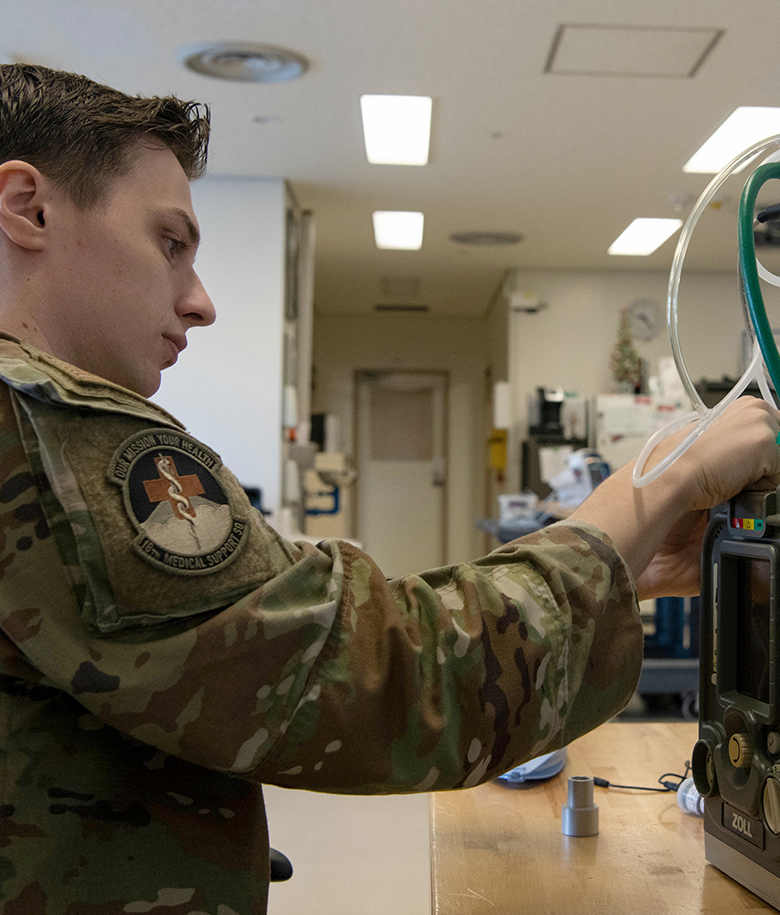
(24, 198)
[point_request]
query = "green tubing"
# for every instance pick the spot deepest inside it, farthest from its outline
(749, 268)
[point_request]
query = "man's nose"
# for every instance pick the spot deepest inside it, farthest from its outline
(197, 305)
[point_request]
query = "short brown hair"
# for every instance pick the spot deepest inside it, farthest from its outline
(79, 133)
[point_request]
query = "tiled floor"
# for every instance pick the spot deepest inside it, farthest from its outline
(350, 855)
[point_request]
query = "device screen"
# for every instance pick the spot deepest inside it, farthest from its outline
(753, 595)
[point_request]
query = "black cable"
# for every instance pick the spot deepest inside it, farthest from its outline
(769, 214)
(603, 783)
(663, 780)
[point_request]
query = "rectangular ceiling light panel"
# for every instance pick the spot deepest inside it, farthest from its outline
(396, 128)
(644, 236)
(397, 230)
(739, 131)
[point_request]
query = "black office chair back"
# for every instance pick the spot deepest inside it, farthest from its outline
(281, 867)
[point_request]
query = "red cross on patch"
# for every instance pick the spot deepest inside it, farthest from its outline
(162, 488)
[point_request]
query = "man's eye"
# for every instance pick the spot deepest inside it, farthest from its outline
(174, 246)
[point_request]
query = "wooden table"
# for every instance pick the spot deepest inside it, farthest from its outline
(499, 851)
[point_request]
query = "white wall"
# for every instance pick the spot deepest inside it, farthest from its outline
(226, 387)
(569, 344)
(345, 344)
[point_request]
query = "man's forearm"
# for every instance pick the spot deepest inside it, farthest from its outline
(636, 520)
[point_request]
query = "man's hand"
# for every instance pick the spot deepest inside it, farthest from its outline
(738, 451)
(658, 529)
(675, 570)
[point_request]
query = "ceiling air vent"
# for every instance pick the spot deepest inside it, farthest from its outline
(403, 307)
(245, 62)
(486, 239)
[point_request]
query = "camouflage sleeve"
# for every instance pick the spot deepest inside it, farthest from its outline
(293, 664)
(449, 678)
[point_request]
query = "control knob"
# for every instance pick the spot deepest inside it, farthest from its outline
(740, 751)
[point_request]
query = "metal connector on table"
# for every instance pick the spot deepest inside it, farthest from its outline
(580, 816)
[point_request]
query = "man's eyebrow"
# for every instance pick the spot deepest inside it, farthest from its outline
(191, 230)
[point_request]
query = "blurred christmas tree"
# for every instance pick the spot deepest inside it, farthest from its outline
(625, 362)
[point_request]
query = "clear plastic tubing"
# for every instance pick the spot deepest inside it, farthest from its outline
(755, 371)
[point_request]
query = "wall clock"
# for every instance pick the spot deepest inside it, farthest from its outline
(645, 319)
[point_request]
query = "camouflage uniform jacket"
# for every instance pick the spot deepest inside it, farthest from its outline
(163, 652)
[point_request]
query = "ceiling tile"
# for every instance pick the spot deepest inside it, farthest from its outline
(614, 50)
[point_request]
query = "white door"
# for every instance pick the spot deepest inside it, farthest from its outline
(401, 452)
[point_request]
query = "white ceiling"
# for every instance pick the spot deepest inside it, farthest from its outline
(549, 120)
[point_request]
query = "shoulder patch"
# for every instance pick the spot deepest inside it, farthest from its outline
(186, 523)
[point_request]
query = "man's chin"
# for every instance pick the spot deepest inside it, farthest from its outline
(152, 389)
(146, 386)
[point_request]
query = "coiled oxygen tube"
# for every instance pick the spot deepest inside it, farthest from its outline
(749, 269)
(753, 310)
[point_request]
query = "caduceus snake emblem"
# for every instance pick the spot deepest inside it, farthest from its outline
(175, 490)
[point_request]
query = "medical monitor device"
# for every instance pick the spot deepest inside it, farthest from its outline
(736, 761)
